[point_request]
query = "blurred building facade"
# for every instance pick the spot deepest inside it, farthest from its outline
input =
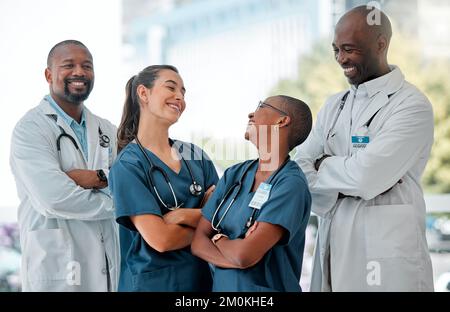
(230, 53)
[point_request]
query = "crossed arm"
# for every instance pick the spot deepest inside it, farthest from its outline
(239, 253)
(87, 179)
(174, 230)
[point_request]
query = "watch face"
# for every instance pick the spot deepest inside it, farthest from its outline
(101, 175)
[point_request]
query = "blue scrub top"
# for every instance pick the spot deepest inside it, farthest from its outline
(288, 205)
(142, 267)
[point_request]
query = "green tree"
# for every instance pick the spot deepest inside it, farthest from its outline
(319, 76)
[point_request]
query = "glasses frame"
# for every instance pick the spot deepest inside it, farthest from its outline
(262, 104)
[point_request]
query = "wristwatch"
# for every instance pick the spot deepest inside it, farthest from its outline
(101, 175)
(216, 237)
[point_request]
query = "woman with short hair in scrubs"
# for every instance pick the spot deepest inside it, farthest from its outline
(253, 226)
(158, 185)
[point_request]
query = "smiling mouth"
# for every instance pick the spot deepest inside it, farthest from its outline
(350, 71)
(77, 83)
(175, 107)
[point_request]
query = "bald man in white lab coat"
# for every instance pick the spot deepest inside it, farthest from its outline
(364, 160)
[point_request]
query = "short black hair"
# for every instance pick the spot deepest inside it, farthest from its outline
(301, 120)
(61, 44)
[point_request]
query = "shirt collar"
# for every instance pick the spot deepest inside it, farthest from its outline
(389, 82)
(69, 120)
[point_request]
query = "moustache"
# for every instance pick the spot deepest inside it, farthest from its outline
(77, 79)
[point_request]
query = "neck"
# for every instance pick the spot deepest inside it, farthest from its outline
(153, 136)
(384, 69)
(270, 161)
(71, 109)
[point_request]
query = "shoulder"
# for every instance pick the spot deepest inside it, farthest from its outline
(130, 156)
(291, 176)
(103, 122)
(410, 95)
(331, 105)
(238, 169)
(333, 99)
(32, 123)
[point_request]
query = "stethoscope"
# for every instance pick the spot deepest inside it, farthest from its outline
(238, 185)
(195, 189)
(103, 139)
(340, 109)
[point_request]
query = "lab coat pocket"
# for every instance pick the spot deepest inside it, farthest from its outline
(391, 231)
(47, 255)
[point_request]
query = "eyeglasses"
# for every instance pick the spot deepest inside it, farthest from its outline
(262, 104)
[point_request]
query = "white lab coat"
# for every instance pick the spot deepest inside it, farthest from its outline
(375, 241)
(66, 232)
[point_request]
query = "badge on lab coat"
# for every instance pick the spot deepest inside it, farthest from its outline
(360, 141)
(261, 196)
(361, 138)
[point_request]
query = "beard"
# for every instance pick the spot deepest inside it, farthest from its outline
(77, 98)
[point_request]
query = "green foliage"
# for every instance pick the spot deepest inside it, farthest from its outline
(320, 76)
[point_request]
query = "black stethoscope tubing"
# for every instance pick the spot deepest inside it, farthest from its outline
(238, 184)
(104, 140)
(340, 109)
(195, 189)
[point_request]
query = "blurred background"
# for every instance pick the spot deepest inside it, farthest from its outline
(231, 54)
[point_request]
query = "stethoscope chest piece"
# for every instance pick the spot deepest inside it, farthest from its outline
(103, 138)
(195, 189)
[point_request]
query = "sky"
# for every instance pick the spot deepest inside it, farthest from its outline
(28, 30)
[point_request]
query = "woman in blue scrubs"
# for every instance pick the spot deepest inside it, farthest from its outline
(253, 227)
(158, 185)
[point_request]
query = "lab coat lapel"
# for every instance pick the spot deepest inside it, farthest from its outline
(379, 100)
(93, 140)
(379, 94)
(49, 110)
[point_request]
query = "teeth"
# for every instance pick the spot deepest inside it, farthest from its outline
(77, 83)
(349, 69)
(175, 107)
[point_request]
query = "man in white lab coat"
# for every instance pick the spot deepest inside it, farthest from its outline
(364, 160)
(60, 157)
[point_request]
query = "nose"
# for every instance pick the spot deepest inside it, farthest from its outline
(341, 57)
(251, 115)
(179, 95)
(78, 71)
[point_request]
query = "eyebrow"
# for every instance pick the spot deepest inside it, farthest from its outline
(183, 88)
(71, 60)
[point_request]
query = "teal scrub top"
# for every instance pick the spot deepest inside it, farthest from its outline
(142, 267)
(288, 205)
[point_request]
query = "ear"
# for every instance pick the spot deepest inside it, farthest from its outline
(382, 44)
(142, 94)
(284, 121)
(48, 75)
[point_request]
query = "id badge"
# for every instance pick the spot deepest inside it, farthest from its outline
(360, 141)
(261, 196)
(361, 138)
